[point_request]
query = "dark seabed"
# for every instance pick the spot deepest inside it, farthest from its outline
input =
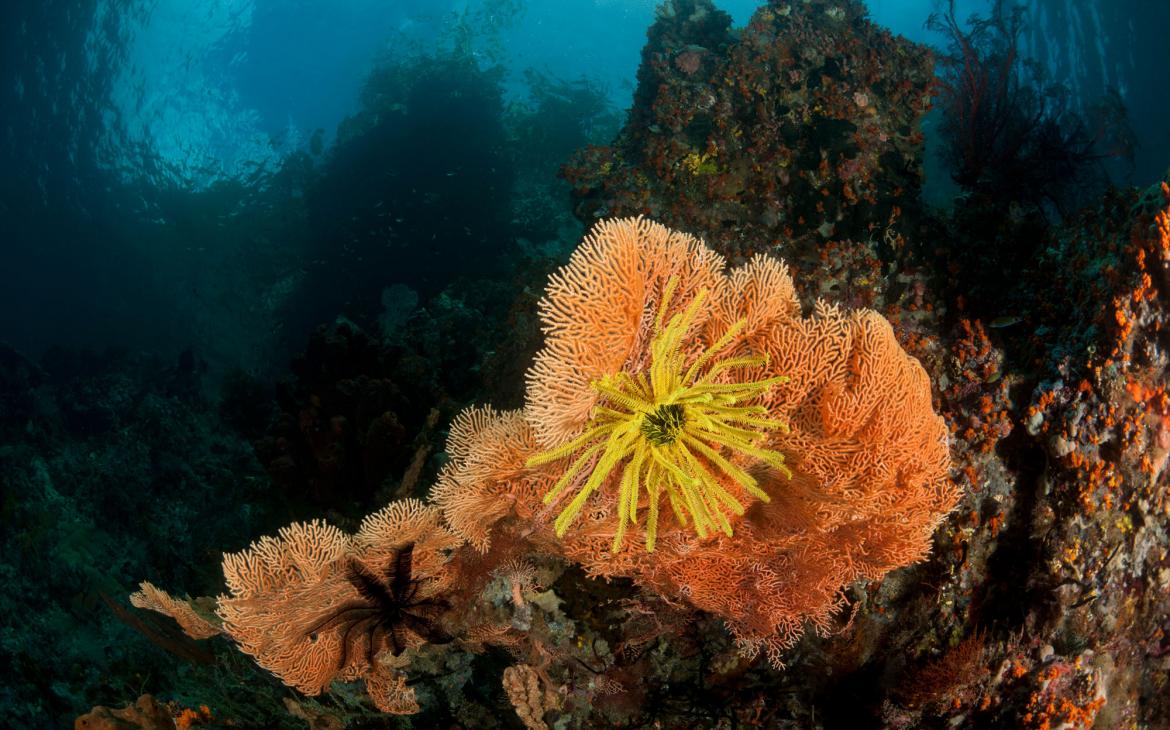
(584, 363)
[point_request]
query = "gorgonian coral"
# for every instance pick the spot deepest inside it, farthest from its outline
(777, 458)
(315, 605)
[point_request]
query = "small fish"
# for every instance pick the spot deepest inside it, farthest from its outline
(1005, 321)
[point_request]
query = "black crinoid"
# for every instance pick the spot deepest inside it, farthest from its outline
(386, 612)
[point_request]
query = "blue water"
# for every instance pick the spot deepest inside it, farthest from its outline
(106, 95)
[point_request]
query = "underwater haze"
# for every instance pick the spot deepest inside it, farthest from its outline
(584, 363)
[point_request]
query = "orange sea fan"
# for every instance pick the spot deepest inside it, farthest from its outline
(486, 477)
(597, 315)
(153, 598)
(305, 604)
(868, 455)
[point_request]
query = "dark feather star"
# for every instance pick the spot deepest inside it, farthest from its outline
(387, 609)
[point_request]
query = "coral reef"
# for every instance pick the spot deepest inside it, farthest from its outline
(1052, 597)
(923, 466)
(113, 470)
(801, 128)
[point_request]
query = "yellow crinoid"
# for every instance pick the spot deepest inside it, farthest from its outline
(670, 430)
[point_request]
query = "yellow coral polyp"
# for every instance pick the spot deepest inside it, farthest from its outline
(667, 429)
